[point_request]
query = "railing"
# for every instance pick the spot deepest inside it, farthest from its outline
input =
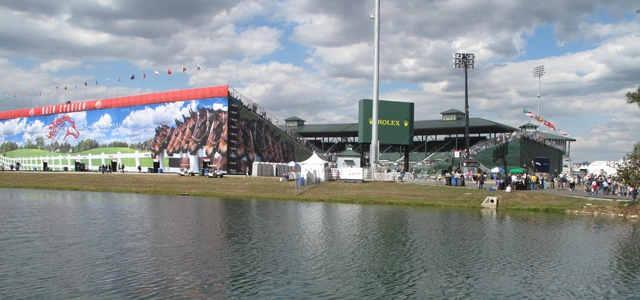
(261, 112)
(486, 144)
(434, 153)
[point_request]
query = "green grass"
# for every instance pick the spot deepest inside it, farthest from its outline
(240, 187)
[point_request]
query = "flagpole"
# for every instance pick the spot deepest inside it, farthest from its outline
(85, 91)
(168, 76)
(143, 77)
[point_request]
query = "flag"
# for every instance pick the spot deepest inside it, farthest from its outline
(107, 80)
(65, 87)
(85, 83)
(144, 75)
(40, 93)
(169, 72)
(56, 88)
(76, 86)
(14, 95)
(184, 69)
(155, 73)
(198, 67)
(22, 94)
(118, 78)
(551, 126)
(132, 77)
(96, 81)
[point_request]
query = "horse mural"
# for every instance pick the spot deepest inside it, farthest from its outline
(252, 140)
(190, 124)
(176, 139)
(196, 139)
(159, 142)
(203, 129)
(255, 141)
(216, 144)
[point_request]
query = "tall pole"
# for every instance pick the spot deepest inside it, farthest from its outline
(465, 61)
(373, 153)
(466, 112)
(538, 72)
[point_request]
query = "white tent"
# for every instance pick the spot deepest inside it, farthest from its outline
(315, 168)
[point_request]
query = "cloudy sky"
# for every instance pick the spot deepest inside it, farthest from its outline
(314, 58)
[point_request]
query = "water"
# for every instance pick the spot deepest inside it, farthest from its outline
(64, 245)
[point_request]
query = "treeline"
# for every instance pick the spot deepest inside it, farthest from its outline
(65, 147)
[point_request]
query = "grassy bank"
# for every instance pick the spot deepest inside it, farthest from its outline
(240, 187)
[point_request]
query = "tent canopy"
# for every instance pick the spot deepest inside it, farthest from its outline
(315, 159)
(516, 170)
(292, 164)
(497, 170)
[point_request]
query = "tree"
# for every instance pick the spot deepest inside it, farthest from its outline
(40, 143)
(629, 170)
(633, 97)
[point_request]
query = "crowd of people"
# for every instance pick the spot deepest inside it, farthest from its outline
(591, 184)
(107, 169)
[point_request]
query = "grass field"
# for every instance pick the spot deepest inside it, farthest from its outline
(240, 187)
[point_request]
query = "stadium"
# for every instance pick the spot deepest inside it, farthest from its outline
(217, 128)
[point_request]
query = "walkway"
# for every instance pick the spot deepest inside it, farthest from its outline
(578, 192)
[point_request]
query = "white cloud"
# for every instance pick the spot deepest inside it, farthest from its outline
(314, 59)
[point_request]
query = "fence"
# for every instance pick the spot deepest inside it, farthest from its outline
(68, 162)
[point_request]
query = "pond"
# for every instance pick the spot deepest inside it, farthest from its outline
(61, 245)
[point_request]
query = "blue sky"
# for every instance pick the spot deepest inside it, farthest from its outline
(314, 59)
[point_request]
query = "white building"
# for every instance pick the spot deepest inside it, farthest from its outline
(601, 167)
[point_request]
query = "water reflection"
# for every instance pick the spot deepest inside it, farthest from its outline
(58, 244)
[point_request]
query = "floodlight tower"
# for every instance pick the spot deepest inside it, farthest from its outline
(373, 152)
(538, 72)
(465, 61)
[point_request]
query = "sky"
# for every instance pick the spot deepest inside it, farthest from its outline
(314, 58)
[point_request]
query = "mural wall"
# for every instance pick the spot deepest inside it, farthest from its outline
(184, 130)
(253, 138)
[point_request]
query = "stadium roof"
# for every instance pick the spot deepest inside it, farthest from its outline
(426, 127)
(477, 126)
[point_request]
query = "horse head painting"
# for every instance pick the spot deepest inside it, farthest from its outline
(204, 132)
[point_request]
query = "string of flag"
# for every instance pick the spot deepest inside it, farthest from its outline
(544, 122)
(86, 84)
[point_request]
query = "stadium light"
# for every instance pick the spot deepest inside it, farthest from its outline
(465, 61)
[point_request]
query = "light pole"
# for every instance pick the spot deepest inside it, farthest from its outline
(465, 61)
(373, 152)
(538, 72)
